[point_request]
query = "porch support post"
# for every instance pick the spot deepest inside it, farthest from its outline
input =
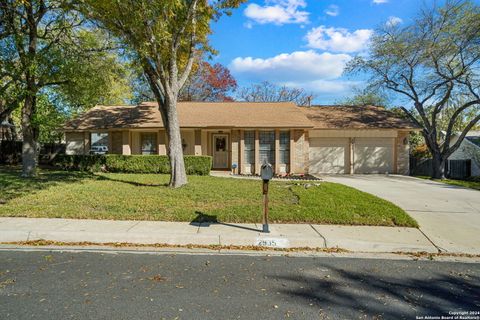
(110, 141)
(126, 143)
(292, 152)
(86, 142)
(241, 153)
(198, 143)
(277, 151)
(162, 150)
(351, 157)
(257, 153)
(306, 151)
(395, 155)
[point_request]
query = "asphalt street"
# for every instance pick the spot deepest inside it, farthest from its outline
(70, 285)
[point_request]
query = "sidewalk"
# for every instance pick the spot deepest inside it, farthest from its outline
(352, 238)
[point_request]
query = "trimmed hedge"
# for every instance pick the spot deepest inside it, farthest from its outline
(194, 165)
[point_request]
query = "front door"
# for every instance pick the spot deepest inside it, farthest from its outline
(220, 151)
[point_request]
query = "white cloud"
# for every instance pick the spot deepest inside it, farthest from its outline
(298, 66)
(333, 10)
(380, 1)
(338, 39)
(392, 21)
(278, 12)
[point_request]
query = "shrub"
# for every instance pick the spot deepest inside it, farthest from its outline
(194, 165)
(92, 163)
(137, 164)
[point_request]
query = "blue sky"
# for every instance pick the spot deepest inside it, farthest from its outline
(303, 43)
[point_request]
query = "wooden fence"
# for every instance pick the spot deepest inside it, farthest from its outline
(455, 169)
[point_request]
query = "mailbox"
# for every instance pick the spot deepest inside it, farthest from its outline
(266, 171)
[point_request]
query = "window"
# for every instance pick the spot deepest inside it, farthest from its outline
(267, 146)
(284, 151)
(99, 143)
(249, 142)
(149, 143)
(220, 144)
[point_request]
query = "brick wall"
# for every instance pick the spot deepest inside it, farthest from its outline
(403, 153)
(300, 163)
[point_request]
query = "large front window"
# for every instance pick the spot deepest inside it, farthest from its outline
(249, 142)
(284, 151)
(267, 146)
(99, 143)
(149, 143)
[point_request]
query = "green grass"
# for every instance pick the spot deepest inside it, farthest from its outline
(471, 184)
(57, 194)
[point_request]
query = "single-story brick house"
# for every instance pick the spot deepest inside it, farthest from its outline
(240, 135)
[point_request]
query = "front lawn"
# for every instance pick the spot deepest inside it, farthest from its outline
(471, 184)
(57, 194)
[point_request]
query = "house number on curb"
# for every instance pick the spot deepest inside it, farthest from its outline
(272, 242)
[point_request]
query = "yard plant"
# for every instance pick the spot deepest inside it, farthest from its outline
(199, 165)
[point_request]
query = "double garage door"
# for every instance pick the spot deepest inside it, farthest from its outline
(332, 155)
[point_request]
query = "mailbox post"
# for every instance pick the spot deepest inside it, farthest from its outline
(266, 173)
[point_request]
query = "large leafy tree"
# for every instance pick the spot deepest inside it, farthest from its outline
(96, 74)
(165, 36)
(31, 32)
(48, 52)
(429, 63)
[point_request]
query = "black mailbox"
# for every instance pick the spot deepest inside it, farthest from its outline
(266, 171)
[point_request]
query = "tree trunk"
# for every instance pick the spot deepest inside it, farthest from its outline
(29, 132)
(178, 176)
(438, 166)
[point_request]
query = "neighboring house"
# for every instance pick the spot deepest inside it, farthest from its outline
(241, 135)
(469, 149)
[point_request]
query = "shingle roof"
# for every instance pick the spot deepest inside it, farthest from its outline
(194, 115)
(241, 115)
(355, 117)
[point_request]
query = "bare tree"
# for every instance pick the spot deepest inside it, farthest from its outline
(269, 92)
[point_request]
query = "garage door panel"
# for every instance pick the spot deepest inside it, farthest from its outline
(373, 155)
(328, 155)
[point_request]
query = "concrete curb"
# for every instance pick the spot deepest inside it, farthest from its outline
(233, 252)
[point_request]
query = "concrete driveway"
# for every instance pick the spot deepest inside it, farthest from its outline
(448, 215)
